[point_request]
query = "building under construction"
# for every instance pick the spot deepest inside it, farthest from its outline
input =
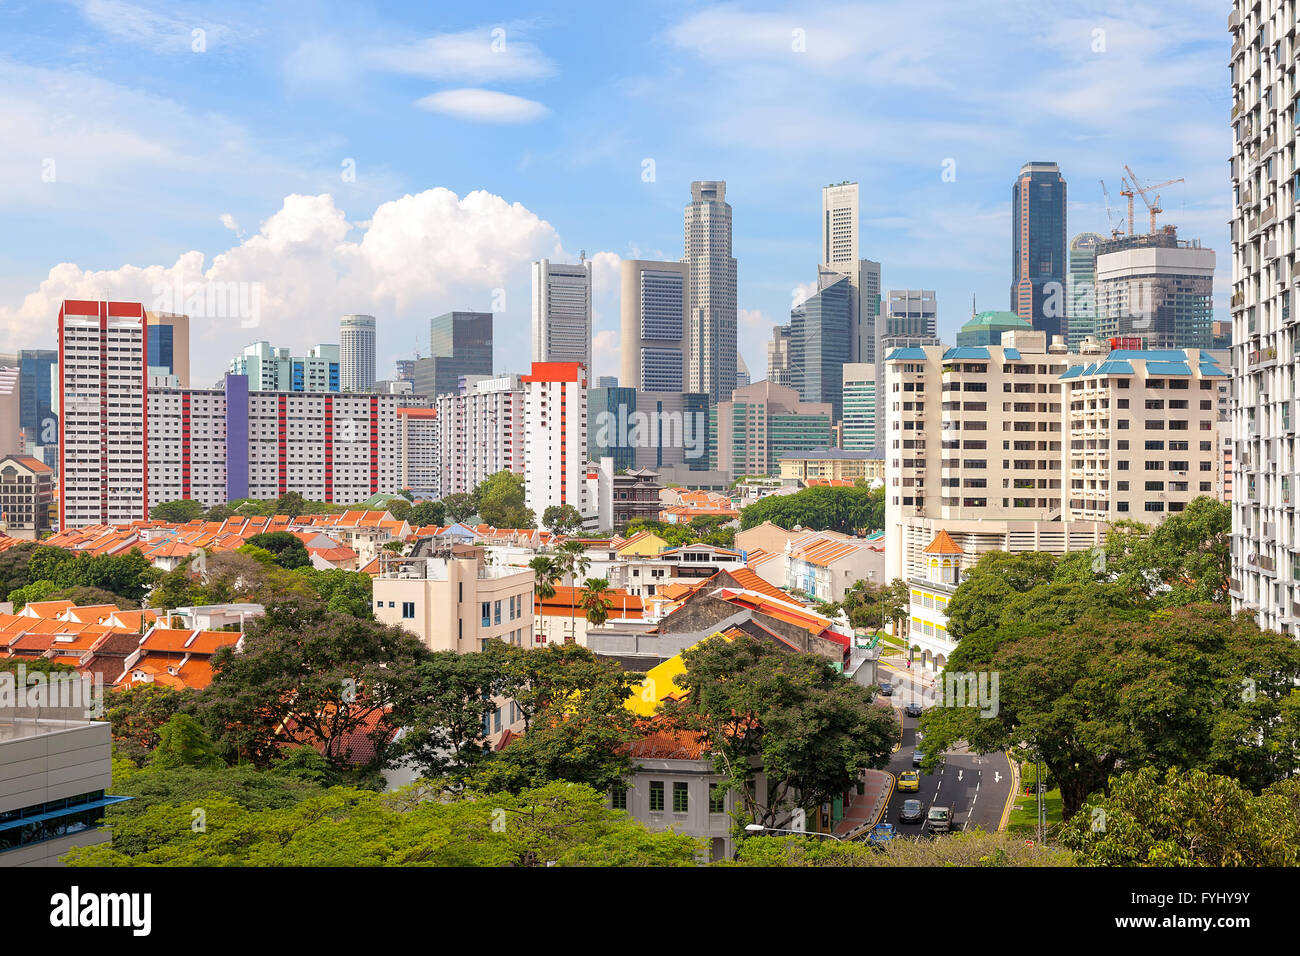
(1156, 287)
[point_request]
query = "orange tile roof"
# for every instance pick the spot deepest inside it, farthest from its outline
(567, 599)
(942, 544)
(47, 608)
(178, 640)
(750, 581)
(823, 552)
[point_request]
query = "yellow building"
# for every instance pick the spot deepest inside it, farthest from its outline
(830, 464)
(643, 544)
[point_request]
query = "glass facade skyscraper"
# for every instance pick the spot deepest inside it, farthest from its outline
(1038, 292)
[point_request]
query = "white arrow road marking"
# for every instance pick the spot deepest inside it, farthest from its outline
(997, 777)
(959, 773)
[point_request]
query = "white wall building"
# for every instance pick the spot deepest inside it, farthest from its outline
(555, 436)
(357, 353)
(481, 432)
(562, 312)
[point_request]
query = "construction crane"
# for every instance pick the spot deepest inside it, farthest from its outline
(1152, 207)
(1110, 217)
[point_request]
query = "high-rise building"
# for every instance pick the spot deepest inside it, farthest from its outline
(1038, 247)
(742, 372)
(910, 314)
(763, 421)
(271, 369)
(867, 316)
(778, 356)
(481, 426)
(821, 340)
(169, 345)
(38, 399)
(357, 352)
(1265, 577)
(103, 435)
(611, 422)
(711, 294)
(839, 247)
(421, 443)
(607, 381)
(11, 433)
(461, 344)
(653, 304)
(860, 412)
(1156, 288)
(1081, 298)
(406, 370)
(562, 312)
(555, 436)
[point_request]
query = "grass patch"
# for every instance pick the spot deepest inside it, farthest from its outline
(1024, 821)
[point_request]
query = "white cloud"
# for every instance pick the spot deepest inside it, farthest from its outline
(420, 255)
(483, 106)
(156, 32)
(489, 53)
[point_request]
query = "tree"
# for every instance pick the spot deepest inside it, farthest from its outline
(229, 577)
(596, 601)
(36, 591)
(562, 519)
(822, 508)
(218, 513)
(447, 699)
(811, 730)
(570, 561)
(460, 506)
(544, 576)
(1185, 688)
(347, 592)
(975, 849)
(1187, 818)
(399, 508)
(986, 588)
(182, 742)
(137, 714)
(1186, 559)
(542, 679)
(177, 512)
(287, 549)
(500, 501)
(290, 503)
(428, 513)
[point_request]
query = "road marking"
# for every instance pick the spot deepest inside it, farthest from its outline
(959, 773)
(997, 777)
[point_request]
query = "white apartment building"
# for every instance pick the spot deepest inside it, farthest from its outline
(421, 442)
(555, 436)
(1141, 429)
(562, 312)
(103, 454)
(1265, 534)
(481, 432)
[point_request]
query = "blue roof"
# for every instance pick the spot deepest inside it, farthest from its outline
(1210, 370)
(966, 352)
(911, 353)
(1168, 368)
(1150, 355)
(1114, 367)
(1011, 355)
(1074, 371)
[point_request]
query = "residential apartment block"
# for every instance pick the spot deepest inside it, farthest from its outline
(481, 431)
(271, 369)
(26, 495)
(555, 436)
(421, 447)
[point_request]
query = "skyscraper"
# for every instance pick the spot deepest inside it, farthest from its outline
(711, 315)
(839, 245)
(461, 344)
(1157, 288)
(859, 407)
(1038, 247)
(169, 344)
(820, 341)
(653, 305)
(357, 353)
(1081, 303)
(562, 312)
(778, 356)
(38, 415)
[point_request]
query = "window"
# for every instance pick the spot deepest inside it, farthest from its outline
(618, 798)
(497, 614)
(717, 799)
(486, 609)
(392, 604)
(681, 797)
(408, 610)
(656, 796)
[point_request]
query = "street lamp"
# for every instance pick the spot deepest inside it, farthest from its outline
(754, 829)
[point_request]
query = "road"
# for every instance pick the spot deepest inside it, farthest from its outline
(974, 787)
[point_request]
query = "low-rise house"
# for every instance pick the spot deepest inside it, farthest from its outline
(560, 618)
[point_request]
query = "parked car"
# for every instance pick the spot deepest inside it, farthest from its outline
(917, 757)
(912, 710)
(909, 781)
(938, 820)
(911, 812)
(886, 689)
(881, 834)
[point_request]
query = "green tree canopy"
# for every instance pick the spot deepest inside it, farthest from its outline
(460, 506)
(823, 508)
(427, 513)
(177, 512)
(562, 519)
(500, 501)
(287, 549)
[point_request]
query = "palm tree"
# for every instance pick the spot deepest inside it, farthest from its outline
(544, 572)
(595, 602)
(571, 562)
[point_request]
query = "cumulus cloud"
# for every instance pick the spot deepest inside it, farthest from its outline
(417, 257)
(483, 106)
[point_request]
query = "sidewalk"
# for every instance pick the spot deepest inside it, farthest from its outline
(863, 811)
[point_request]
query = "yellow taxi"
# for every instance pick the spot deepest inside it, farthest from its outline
(909, 781)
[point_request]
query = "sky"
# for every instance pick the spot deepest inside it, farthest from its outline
(412, 159)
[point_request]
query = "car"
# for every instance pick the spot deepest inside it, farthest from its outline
(917, 758)
(911, 812)
(886, 689)
(912, 710)
(938, 820)
(881, 834)
(909, 781)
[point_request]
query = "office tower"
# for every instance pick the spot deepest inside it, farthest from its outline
(611, 420)
(103, 436)
(272, 369)
(711, 293)
(481, 426)
(1038, 247)
(670, 432)
(1266, 480)
(1081, 297)
(839, 248)
(652, 311)
(38, 397)
(607, 381)
(461, 344)
(742, 372)
(11, 435)
(860, 413)
(1142, 429)
(406, 370)
(357, 353)
(986, 328)
(1155, 288)
(778, 356)
(562, 312)
(555, 436)
(820, 341)
(761, 422)
(169, 345)
(867, 312)
(910, 320)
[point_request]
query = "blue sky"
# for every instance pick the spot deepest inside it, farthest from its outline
(412, 159)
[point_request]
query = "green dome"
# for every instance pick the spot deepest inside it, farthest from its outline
(993, 318)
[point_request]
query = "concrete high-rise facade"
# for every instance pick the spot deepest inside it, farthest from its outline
(778, 356)
(461, 344)
(763, 421)
(38, 414)
(821, 341)
(1081, 298)
(271, 369)
(860, 413)
(1156, 288)
(555, 436)
(481, 428)
(1038, 247)
(357, 353)
(1265, 534)
(169, 345)
(562, 312)
(839, 248)
(654, 298)
(711, 314)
